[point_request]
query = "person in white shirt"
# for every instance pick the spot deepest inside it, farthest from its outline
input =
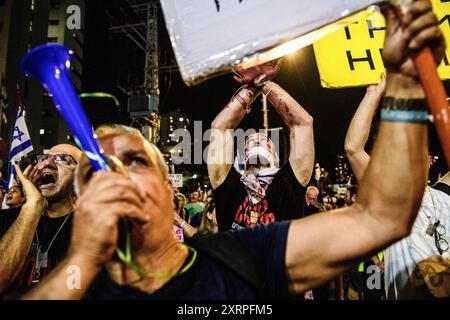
(430, 234)
(429, 237)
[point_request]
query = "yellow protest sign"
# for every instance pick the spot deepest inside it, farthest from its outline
(351, 56)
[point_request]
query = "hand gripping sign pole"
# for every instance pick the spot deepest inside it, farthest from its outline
(434, 91)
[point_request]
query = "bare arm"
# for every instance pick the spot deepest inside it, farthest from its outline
(70, 280)
(300, 123)
(380, 216)
(359, 129)
(220, 150)
(15, 243)
(324, 245)
(187, 228)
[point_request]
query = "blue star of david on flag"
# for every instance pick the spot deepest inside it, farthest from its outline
(17, 134)
(21, 142)
(20, 146)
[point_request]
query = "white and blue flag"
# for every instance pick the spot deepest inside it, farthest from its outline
(20, 145)
(21, 142)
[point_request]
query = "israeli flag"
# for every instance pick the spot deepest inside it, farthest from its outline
(21, 142)
(20, 146)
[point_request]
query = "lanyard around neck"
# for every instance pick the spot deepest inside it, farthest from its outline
(56, 234)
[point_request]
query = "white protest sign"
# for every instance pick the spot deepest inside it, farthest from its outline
(176, 179)
(211, 36)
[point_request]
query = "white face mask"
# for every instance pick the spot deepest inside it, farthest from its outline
(266, 158)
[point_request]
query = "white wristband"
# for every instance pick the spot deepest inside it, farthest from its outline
(182, 224)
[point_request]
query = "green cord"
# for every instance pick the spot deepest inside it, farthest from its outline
(127, 259)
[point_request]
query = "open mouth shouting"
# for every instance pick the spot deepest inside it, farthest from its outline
(48, 180)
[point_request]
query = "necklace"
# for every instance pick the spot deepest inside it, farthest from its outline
(437, 230)
(42, 255)
(431, 226)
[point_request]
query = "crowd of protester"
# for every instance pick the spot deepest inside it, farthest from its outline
(269, 231)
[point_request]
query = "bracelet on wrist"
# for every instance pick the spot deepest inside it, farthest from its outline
(241, 100)
(405, 116)
(404, 110)
(244, 104)
(404, 104)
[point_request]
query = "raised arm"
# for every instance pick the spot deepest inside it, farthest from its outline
(221, 146)
(359, 129)
(187, 228)
(324, 245)
(16, 242)
(69, 281)
(300, 123)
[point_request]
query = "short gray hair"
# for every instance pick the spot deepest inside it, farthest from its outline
(118, 129)
(312, 188)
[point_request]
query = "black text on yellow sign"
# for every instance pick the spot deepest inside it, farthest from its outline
(351, 56)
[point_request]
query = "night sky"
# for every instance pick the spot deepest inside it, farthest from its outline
(108, 58)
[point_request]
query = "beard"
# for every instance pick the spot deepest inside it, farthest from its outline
(61, 193)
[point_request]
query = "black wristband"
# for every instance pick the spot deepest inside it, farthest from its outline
(393, 103)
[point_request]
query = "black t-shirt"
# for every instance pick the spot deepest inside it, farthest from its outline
(210, 279)
(311, 209)
(46, 231)
(442, 187)
(284, 201)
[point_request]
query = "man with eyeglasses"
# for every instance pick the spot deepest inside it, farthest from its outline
(279, 260)
(35, 236)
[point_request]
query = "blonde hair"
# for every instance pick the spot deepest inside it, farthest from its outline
(180, 196)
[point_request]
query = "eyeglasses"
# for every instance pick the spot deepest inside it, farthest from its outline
(439, 233)
(59, 158)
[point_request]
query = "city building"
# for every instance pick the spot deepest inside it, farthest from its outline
(25, 24)
(170, 122)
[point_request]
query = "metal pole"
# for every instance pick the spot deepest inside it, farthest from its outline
(265, 115)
